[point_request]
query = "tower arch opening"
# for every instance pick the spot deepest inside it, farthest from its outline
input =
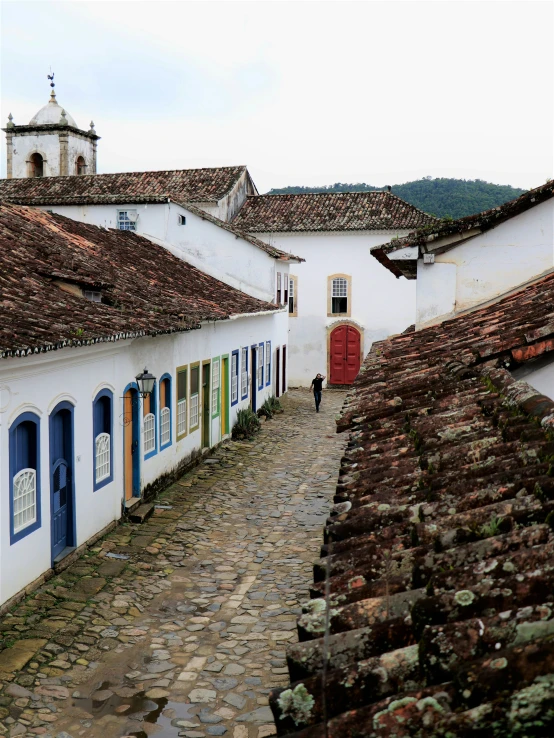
(36, 165)
(80, 165)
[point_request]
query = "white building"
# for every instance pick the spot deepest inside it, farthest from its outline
(52, 144)
(467, 263)
(340, 301)
(85, 310)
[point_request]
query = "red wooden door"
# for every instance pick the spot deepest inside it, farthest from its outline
(345, 355)
(352, 354)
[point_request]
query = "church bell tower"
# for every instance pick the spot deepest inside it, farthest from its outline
(51, 145)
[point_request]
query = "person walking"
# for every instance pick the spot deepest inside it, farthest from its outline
(317, 384)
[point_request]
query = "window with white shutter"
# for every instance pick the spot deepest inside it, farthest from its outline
(194, 397)
(268, 362)
(215, 386)
(235, 378)
(149, 433)
(244, 373)
(182, 376)
(102, 444)
(260, 354)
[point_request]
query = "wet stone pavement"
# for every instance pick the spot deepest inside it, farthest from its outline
(178, 626)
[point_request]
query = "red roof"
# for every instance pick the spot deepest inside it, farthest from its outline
(183, 186)
(145, 289)
(440, 547)
(329, 211)
(190, 185)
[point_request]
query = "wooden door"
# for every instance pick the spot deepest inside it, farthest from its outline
(206, 405)
(344, 360)
(284, 385)
(130, 441)
(352, 354)
(61, 479)
(277, 371)
(224, 382)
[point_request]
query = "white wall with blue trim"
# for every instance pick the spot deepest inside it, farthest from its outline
(74, 377)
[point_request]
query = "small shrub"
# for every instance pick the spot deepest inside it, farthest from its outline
(247, 424)
(266, 410)
(275, 405)
(271, 407)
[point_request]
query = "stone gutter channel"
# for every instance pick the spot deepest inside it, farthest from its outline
(178, 626)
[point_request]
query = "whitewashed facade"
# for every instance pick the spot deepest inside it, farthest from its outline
(206, 245)
(38, 384)
(378, 304)
(50, 145)
(482, 261)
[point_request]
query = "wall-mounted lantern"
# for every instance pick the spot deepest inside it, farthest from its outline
(145, 383)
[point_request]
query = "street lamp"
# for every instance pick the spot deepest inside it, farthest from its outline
(145, 383)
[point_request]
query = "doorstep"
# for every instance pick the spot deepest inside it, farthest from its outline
(133, 503)
(68, 550)
(141, 513)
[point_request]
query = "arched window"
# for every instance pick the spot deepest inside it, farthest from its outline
(80, 165)
(149, 419)
(165, 411)
(102, 433)
(36, 165)
(24, 476)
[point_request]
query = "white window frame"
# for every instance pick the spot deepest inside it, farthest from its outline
(102, 447)
(182, 416)
(234, 378)
(127, 220)
(215, 386)
(260, 361)
(244, 372)
(165, 426)
(24, 499)
(267, 362)
(193, 421)
(149, 433)
(339, 287)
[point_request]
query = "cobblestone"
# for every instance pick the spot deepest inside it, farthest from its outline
(178, 626)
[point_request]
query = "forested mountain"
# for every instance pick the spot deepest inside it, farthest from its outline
(441, 197)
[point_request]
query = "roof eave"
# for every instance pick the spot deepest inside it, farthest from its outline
(393, 266)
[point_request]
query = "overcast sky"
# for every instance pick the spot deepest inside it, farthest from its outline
(302, 92)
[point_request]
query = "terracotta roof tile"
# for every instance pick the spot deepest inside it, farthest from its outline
(191, 185)
(183, 186)
(438, 555)
(338, 211)
(145, 289)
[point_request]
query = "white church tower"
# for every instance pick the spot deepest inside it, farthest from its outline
(52, 145)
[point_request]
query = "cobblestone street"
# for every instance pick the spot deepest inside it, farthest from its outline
(178, 626)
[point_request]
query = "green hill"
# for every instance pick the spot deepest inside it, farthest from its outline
(441, 197)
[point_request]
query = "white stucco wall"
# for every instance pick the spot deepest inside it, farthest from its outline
(48, 145)
(212, 249)
(436, 290)
(38, 383)
(381, 304)
(487, 266)
(77, 146)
